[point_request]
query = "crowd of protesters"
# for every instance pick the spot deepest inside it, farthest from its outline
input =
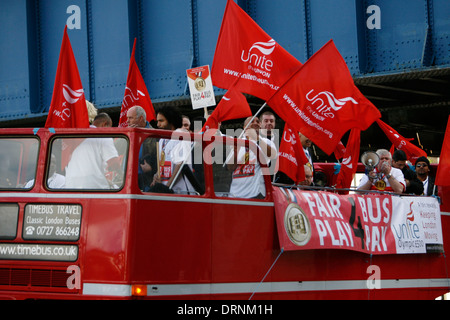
(162, 170)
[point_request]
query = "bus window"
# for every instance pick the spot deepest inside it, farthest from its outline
(18, 159)
(170, 166)
(87, 163)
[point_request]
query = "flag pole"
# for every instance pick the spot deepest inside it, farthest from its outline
(242, 133)
(256, 114)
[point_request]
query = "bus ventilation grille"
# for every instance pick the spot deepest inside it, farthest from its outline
(33, 277)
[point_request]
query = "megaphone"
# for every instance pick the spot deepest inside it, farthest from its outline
(370, 160)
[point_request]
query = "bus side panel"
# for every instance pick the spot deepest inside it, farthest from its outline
(245, 242)
(106, 240)
(172, 241)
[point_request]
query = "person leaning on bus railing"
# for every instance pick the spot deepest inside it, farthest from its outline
(247, 179)
(383, 177)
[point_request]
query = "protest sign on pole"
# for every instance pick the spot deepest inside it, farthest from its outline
(201, 87)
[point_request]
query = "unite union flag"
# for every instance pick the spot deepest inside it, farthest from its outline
(412, 152)
(245, 51)
(136, 93)
(321, 100)
(291, 157)
(68, 107)
(350, 160)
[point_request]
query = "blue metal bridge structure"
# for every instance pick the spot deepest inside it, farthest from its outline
(398, 52)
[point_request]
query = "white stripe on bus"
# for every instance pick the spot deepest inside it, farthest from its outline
(135, 197)
(101, 289)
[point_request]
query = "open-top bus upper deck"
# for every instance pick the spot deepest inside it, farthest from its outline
(114, 236)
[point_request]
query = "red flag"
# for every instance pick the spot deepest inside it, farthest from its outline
(232, 106)
(350, 162)
(321, 100)
(412, 152)
(443, 170)
(339, 152)
(245, 50)
(68, 107)
(291, 157)
(135, 93)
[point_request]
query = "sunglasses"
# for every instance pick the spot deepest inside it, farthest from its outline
(421, 165)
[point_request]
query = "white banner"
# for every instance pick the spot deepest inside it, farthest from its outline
(416, 224)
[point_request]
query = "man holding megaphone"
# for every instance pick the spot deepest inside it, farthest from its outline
(381, 175)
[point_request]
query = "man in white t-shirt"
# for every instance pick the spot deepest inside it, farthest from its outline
(384, 177)
(248, 180)
(90, 159)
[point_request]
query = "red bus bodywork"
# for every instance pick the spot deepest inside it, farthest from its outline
(169, 246)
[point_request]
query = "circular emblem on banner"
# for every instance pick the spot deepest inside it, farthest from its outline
(200, 84)
(297, 225)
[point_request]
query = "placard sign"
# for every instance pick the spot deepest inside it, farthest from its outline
(372, 223)
(52, 222)
(201, 87)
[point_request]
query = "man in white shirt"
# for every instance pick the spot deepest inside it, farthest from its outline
(87, 166)
(384, 177)
(248, 180)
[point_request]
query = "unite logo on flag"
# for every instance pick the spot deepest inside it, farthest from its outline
(259, 63)
(327, 107)
(71, 97)
(129, 99)
(289, 137)
(348, 162)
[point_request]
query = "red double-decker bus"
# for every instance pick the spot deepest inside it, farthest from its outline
(68, 232)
